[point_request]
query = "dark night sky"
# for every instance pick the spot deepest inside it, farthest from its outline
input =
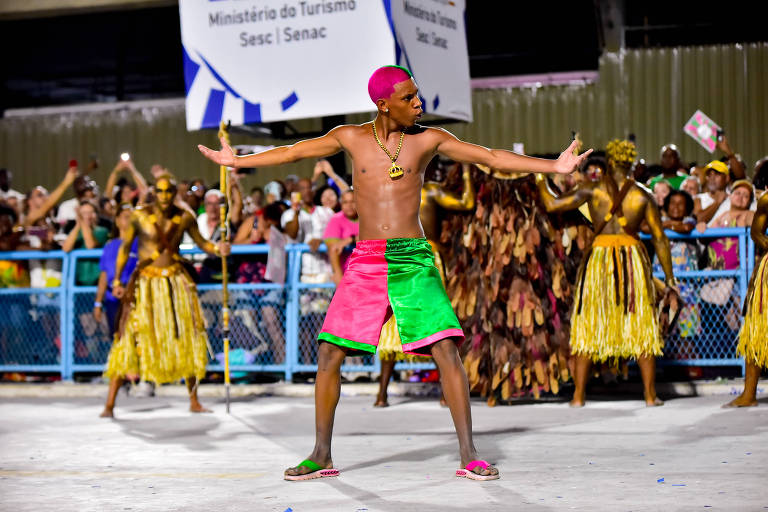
(136, 54)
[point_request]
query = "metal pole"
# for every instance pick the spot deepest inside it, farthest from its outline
(223, 175)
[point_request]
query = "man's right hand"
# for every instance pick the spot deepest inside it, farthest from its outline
(97, 313)
(225, 156)
(337, 277)
(118, 291)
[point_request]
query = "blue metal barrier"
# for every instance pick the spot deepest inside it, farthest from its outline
(273, 327)
(30, 333)
(716, 302)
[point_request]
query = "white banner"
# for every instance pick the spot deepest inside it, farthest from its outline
(258, 61)
(432, 43)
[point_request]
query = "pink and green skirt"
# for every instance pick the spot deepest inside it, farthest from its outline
(385, 278)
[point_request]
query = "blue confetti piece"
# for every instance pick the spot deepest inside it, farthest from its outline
(289, 509)
(660, 480)
(678, 485)
(652, 464)
(748, 453)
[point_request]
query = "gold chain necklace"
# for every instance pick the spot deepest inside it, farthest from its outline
(395, 171)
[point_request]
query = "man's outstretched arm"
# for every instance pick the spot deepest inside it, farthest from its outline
(507, 161)
(326, 145)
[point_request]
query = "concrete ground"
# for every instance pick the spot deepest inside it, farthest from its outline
(615, 454)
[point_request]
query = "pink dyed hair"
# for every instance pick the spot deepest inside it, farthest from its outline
(381, 85)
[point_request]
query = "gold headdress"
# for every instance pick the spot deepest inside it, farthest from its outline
(622, 153)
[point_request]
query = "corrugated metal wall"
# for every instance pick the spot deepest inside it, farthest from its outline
(648, 92)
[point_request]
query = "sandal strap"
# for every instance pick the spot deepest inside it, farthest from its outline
(314, 466)
(472, 465)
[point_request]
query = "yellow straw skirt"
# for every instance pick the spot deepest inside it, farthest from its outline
(390, 347)
(163, 338)
(753, 337)
(614, 314)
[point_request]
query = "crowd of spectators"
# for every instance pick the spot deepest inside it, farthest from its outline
(321, 209)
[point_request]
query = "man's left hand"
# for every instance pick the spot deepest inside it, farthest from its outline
(225, 249)
(314, 244)
(568, 162)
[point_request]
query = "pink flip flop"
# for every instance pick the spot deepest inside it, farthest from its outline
(317, 471)
(468, 473)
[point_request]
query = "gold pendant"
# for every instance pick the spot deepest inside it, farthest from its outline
(395, 171)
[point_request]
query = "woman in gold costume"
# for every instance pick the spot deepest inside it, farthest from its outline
(614, 312)
(161, 333)
(753, 337)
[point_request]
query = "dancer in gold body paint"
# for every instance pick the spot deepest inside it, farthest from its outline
(161, 332)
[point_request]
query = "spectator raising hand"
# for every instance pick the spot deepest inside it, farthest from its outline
(734, 162)
(40, 203)
(121, 166)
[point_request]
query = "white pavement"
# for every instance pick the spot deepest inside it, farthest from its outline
(616, 455)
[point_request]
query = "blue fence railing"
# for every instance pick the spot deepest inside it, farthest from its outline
(706, 334)
(273, 327)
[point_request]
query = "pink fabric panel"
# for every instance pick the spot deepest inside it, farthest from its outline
(438, 336)
(363, 289)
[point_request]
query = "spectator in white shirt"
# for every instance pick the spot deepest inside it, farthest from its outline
(298, 226)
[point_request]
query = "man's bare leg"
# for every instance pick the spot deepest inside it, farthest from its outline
(580, 377)
(114, 386)
(748, 397)
(456, 391)
(647, 366)
(327, 391)
(443, 403)
(387, 368)
(194, 403)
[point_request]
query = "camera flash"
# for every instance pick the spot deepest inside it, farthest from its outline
(125, 157)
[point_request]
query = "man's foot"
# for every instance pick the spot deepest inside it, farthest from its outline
(477, 470)
(107, 413)
(323, 462)
(741, 401)
(443, 403)
(576, 402)
(653, 402)
(381, 402)
(195, 406)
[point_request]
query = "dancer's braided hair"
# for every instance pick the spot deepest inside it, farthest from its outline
(621, 152)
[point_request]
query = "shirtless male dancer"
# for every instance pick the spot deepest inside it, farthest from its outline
(392, 269)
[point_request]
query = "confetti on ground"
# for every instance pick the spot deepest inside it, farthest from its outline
(678, 485)
(289, 509)
(660, 480)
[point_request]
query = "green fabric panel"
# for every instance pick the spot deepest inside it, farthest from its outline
(330, 338)
(416, 293)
